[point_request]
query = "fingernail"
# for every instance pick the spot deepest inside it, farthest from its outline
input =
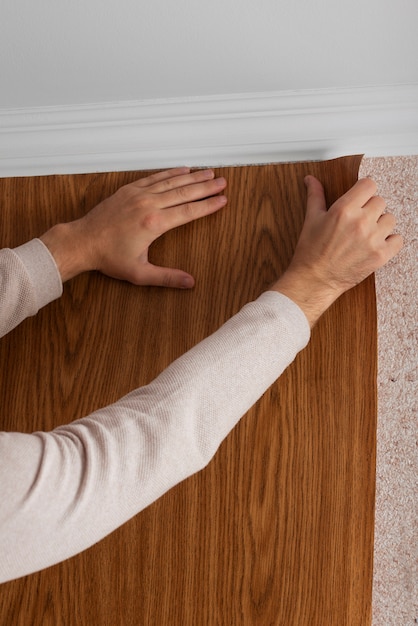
(220, 181)
(187, 282)
(222, 200)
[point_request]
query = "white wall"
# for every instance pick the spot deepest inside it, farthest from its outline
(55, 52)
(96, 85)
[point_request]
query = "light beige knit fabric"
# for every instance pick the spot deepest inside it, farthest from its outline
(64, 490)
(29, 280)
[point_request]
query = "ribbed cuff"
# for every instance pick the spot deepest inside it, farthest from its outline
(42, 271)
(284, 304)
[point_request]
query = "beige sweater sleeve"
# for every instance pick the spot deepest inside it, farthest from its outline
(64, 490)
(29, 279)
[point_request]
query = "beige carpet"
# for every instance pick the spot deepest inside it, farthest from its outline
(395, 589)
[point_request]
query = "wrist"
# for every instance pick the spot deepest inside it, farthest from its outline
(66, 244)
(312, 296)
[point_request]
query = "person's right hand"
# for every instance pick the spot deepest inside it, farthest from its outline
(338, 248)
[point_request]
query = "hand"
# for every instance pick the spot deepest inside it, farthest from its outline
(338, 248)
(115, 236)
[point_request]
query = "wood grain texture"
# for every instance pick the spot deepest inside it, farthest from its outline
(278, 529)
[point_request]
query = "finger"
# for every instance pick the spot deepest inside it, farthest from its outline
(172, 183)
(316, 196)
(359, 194)
(375, 207)
(156, 276)
(177, 216)
(386, 223)
(160, 176)
(190, 193)
(394, 244)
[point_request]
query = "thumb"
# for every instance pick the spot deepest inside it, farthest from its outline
(165, 277)
(316, 196)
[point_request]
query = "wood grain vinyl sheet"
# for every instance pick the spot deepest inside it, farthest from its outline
(278, 529)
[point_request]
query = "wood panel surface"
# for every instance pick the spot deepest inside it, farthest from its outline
(278, 529)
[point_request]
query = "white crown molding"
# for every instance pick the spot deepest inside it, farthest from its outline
(232, 129)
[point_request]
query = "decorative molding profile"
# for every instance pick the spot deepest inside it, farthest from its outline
(235, 129)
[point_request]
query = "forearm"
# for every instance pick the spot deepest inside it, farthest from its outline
(65, 490)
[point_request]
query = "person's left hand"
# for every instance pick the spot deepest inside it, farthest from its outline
(115, 236)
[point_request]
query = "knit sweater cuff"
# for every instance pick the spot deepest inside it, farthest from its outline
(42, 271)
(288, 307)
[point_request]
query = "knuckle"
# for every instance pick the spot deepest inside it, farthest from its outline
(188, 210)
(376, 247)
(387, 221)
(341, 207)
(124, 194)
(133, 197)
(183, 193)
(167, 280)
(370, 185)
(152, 222)
(135, 278)
(341, 212)
(139, 183)
(152, 179)
(381, 202)
(167, 185)
(392, 219)
(144, 202)
(378, 256)
(361, 227)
